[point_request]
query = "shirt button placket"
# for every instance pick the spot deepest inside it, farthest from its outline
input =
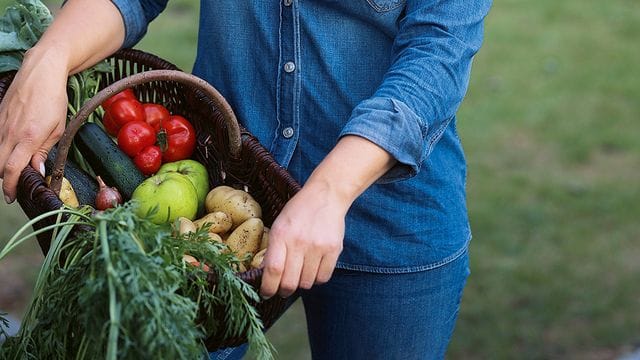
(287, 137)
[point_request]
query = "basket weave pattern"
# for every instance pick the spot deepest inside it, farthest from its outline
(249, 167)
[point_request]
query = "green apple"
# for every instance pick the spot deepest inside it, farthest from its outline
(172, 194)
(194, 171)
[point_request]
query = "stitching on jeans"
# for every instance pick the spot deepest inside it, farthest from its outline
(383, 270)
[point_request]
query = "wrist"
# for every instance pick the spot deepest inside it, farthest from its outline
(349, 169)
(331, 190)
(54, 55)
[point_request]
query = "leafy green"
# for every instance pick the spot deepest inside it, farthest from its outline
(119, 289)
(4, 326)
(10, 61)
(21, 26)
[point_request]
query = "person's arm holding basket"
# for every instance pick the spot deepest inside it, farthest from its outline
(388, 137)
(33, 112)
(306, 238)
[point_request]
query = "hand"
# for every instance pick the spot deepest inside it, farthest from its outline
(304, 242)
(306, 238)
(32, 117)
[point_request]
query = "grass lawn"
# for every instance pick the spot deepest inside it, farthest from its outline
(550, 127)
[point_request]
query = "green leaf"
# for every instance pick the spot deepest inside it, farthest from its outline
(6, 25)
(28, 36)
(102, 67)
(10, 61)
(12, 42)
(14, 17)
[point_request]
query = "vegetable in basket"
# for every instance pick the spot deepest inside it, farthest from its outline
(237, 203)
(135, 136)
(196, 172)
(107, 197)
(106, 159)
(247, 238)
(125, 288)
(101, 243)
(155, 115)
(83, 184)
(122, 110)
(167, 197)
(146, 129)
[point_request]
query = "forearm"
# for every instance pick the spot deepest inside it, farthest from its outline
(83, 33)
(349, 169)
(306, 238)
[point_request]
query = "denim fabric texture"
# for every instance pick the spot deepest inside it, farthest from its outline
(368, 316)
(300, 74)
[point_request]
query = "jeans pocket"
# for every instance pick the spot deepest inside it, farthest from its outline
(385, 5)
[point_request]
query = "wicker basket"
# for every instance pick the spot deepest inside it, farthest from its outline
(232, 155)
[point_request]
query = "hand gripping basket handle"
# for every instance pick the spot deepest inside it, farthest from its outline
(74, 124)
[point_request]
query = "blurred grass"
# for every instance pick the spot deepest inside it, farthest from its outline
(550, 126)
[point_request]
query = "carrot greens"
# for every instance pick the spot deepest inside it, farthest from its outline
(117, 288)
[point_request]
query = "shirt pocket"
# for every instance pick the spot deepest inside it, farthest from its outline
(385, 5)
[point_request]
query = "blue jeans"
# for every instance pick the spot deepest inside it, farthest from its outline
(360, 315)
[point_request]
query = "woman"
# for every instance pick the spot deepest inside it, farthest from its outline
(357, 99)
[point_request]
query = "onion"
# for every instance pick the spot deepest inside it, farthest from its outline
(107, 197)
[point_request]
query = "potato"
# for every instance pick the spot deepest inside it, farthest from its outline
(185, 226)
(237, 203)
(194, 262)
(67, 194)
(265, 239)
(216, 196)
(214, 238)
(219, 221)
(256, 263)
(245, 239)
(239, 267)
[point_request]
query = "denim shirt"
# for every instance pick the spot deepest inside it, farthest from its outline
(300, 74)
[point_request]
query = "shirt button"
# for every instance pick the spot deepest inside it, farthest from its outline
(287, 132)
(289, 67)
(288, 2)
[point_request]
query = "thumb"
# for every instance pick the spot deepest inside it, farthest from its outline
(40, 156)
(38, 159)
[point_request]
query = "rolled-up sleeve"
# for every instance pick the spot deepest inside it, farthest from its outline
(425, 84)
(137, 14)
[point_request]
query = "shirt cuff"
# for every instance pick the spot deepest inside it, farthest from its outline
(393, 126)
(135, 22)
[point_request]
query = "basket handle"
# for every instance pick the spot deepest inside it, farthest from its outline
(235, 141)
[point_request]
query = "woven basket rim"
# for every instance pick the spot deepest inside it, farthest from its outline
(35, 195)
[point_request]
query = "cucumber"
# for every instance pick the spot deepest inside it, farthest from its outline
(83, 184)
(107, 160)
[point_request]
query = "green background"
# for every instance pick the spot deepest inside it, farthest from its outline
(550, 126)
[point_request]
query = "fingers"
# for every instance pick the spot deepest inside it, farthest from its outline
(305, 241)
(325, 269)
(18, 160)
(286, 271)
(28, 149)
(30, 123)
(38, 159)
(274, 261)
(292, 266)
(291, 274)
(309, 272)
